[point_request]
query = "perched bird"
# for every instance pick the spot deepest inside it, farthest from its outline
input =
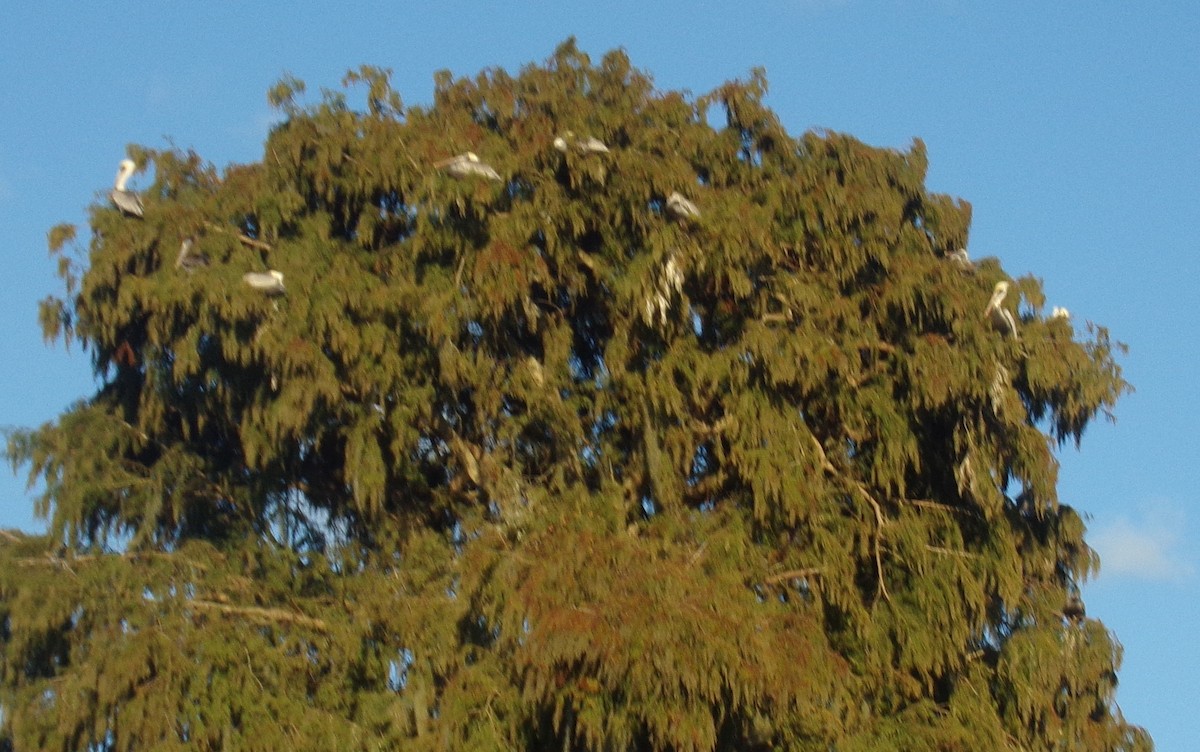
(127, 202)
(961, 259)
(468, 164)
(994, 309)
(187, 260)
(270, 282)
(589, 145)
(680, 207)
(1060, 313)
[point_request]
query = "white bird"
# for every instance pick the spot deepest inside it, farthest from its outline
(1060, 313)
(269, 282)
(961, 259)
(127, 202)
(187, 260)
(592, 145)
(994, 308)
(680, 207)
(467, 164)
(589, 145)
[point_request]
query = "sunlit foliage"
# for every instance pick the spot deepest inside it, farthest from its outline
(539, 462)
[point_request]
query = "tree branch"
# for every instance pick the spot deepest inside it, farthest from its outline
(879, 521)
(951, 552)
(792, 574)
(261, 614)
(242, 237)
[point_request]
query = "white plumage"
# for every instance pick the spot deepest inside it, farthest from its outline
(269, 282)
(961, 259)
(468, 164)
(127, 202)
(996, 310)
(680, 207)
(589, 145)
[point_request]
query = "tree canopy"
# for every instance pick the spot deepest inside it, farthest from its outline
(642, 424)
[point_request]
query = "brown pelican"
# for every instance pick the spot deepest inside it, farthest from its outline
(270, 282)
(467, 164)
(589, 145)
(680, 207)
(127, 202)
(187, 260)
(994, 309)
(961, 259)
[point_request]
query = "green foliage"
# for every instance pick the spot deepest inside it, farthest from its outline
(534, 463)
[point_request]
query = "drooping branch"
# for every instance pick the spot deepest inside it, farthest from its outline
(879, 520)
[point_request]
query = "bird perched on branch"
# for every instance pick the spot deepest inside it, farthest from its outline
(995, 310)
(466, 165)
(680, 207)
(127, 201)
(269, 282)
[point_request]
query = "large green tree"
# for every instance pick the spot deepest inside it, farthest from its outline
(530, 454)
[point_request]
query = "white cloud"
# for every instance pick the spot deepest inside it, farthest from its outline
(1147, 546)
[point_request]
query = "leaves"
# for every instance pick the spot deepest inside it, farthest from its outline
(538, 462)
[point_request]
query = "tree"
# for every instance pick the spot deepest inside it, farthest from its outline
(550, 461)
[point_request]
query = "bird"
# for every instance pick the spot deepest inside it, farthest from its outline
(467, 164)
(589, 145)
(680, 207)
(269, 282)
(187, 260)
(127, 202)
(961, 259)
(1060, 313)
(994, 308)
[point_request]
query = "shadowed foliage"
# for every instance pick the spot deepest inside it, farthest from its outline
(542, 460)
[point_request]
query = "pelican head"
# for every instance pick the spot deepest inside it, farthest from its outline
(994, 309)
(471, 156)
(124, 172)
(998, 293)
(560, 143)
(278, 276)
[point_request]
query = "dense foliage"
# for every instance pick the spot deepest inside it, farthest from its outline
(546, 459)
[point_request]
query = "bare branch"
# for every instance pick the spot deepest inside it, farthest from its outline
(951, 552)
(256, 613)
(879, 521)
(242, 237)
(792, 574)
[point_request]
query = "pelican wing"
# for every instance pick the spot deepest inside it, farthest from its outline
(468, 164)
(680, 207)
(270, 282)
(591, 145)
(128, 202)
(187, 260)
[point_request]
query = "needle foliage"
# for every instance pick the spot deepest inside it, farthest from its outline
(546, 461)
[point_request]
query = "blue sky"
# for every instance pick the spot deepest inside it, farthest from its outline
(1073, 129)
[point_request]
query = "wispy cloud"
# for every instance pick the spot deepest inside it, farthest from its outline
(1147, 545)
